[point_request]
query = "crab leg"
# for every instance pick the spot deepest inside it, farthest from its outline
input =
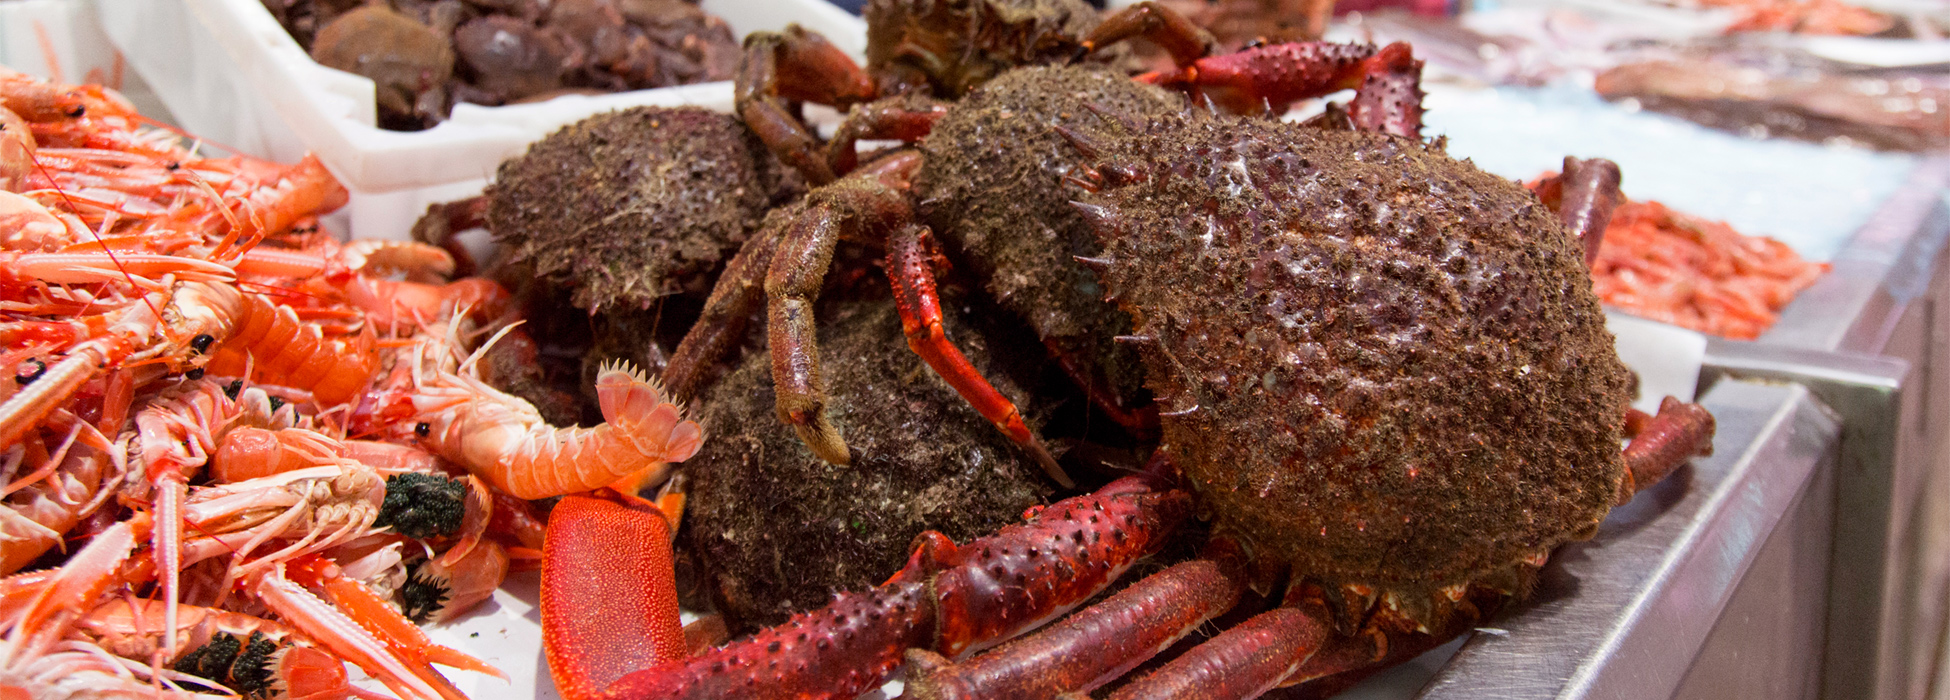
(1389, 639)
(1680, 431)
(793, 282)
(1183, 39)
(1275, 648)
(907, 118)
(949, 598)
(1584, 195)
(1387, 82)
(865, 204)
(1244, 661)
(1087, 649)
(795, 65)
(920, 310)
(739, 292)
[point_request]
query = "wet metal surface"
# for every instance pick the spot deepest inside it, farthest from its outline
(1624, 614)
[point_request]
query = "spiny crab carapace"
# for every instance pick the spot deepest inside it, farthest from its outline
(1003, 215)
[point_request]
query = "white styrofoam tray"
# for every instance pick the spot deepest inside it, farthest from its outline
(230, 74)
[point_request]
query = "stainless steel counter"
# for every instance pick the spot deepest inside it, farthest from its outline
(1624, 615)
(1888, 295)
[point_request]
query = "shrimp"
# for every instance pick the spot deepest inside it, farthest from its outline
(17, 148)
(503, 439)
(36, 509)
(1691, 272)
(25, 225)
(317, 508)
(165, 328)
(249, 452)
(359, 274)
(176, 435)
(39, 609)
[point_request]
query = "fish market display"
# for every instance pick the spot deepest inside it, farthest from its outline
(1346, 333)
(238, 454)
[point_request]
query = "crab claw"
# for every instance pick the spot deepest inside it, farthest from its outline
(609, 603)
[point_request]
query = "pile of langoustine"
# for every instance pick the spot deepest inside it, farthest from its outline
(1693, 272)
(232, 443)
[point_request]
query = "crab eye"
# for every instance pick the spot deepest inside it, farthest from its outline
(24, 378)
(423, 429)
(201, 343)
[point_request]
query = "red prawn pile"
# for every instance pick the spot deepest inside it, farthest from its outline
(1831, 17)
(1695, 273)
(234, 450)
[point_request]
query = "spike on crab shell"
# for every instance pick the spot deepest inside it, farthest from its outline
(1084, 145)
(1104, 220)
(1113, 116)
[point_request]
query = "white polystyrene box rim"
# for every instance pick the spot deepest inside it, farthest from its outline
(332, 115)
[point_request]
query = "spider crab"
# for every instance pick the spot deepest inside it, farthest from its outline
(983, 192)
(1383, 374)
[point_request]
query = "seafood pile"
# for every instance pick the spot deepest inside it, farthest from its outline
(425, 56)
(1688, 271)
(1697, 273)
(238, 453)
(1376, 371)
(1805, 17)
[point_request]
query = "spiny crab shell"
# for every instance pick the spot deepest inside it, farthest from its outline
(1378, 364)
(993, 198)
(630, 206)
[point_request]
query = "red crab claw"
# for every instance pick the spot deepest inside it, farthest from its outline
(952, 599)
(1387, 82)
(609, 603)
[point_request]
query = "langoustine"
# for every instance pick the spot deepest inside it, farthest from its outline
(190, 351)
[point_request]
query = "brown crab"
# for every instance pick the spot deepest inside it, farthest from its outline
(778, 530)
(1390, 385)
(409, 62)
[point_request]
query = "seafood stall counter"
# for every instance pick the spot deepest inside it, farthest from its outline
(1803, 559)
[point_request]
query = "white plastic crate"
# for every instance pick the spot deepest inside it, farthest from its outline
(62, 40)
(230, 74)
